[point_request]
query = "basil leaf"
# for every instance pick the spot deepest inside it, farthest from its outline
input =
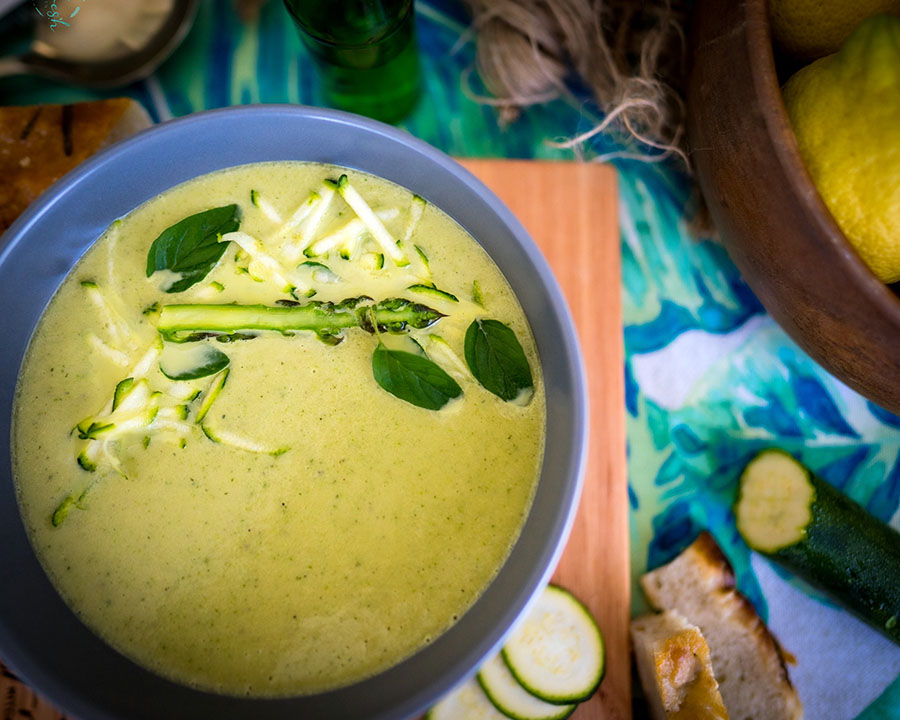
(189, 362)
(496, 359)
(413, 378)
(191, 247)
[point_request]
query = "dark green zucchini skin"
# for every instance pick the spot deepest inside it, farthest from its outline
(851, 556)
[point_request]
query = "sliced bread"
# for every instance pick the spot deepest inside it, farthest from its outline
(747, 660)
(673, 663)
(41, 143)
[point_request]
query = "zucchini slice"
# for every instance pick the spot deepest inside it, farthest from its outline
(224, 437)
(420, 253)
(212, 392)
(465, 702)
(433, 293)
(122, 390)
(556, 653)
(797, 519)
(513, 700)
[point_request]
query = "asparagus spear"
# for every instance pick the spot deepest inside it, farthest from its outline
(185, 323)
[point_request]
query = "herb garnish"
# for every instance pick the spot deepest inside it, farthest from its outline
(413, 378)
(496, 359)
(191, 247)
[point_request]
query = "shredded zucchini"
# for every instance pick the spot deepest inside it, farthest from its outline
(301, 213)
(212, 392)
(213, 289)
(477, 294)
(372, 222)
(265, 206)
(347, 239)
(439, 351)
(433, 293)
(308, 225)
(372, 261)
(110, 353)
(264, 265)
(224, 437)
(319, 272)
(416, 208)
(62, 511)
(119, 330)
(114, 230)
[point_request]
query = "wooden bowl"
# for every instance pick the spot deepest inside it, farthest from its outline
(770, 215)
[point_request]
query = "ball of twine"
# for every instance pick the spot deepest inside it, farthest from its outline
(631, 55)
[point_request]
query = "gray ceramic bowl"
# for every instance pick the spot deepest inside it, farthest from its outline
(40, 638)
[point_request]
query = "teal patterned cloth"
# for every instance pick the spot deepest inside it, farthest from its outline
(710, 379)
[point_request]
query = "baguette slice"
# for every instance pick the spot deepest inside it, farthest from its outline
(747, 660)
(41, 143)
(673, 663)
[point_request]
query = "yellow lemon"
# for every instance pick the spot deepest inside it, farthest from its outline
(845, 111)
(809, 29)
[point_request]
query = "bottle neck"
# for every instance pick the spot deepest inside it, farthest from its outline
(349, 23)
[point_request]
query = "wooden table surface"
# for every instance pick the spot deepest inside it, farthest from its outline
(571, 211)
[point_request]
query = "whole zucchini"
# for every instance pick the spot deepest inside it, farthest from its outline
(788, 514)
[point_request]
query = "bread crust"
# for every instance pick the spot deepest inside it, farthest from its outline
(673, 661)
(41, 143)
(700, 584)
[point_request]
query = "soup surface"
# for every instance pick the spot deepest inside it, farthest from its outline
(300, 526)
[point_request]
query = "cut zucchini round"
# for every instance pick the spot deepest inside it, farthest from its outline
(465, 702)
(556, 653)
(810, 527)
(513, 700)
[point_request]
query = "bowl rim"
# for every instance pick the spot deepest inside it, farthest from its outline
(408, 687)
(761, 45)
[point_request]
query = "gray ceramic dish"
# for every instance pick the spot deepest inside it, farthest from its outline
(40, 638)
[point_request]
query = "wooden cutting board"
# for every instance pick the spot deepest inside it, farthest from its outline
(571, 211)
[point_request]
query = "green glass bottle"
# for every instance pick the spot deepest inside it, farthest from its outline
(365, 51)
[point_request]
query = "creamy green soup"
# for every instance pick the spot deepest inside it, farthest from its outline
(313, 528)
